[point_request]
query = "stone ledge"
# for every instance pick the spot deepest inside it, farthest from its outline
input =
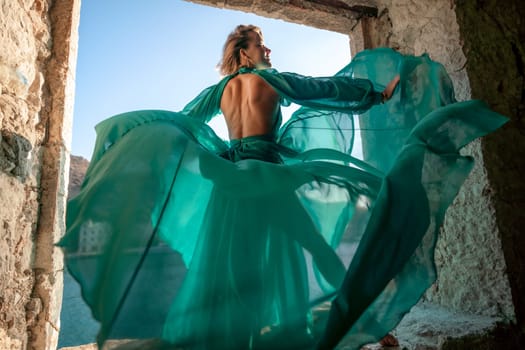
(431, 327)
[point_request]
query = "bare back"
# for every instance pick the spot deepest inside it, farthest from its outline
(249, 106)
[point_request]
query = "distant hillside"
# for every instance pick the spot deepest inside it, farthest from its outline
(77, 171)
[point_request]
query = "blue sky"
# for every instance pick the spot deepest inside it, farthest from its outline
(159, 54)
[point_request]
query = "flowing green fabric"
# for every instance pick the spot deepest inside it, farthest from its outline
(212, 244)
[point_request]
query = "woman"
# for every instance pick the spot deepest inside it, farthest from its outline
(202, 242)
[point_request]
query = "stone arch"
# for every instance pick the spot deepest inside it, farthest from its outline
(37, 87)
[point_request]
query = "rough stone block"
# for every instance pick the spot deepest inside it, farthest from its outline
(14, 154)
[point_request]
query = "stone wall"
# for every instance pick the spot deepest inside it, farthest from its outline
(36, 66)
(469, 257)
(493, 33)
(26, 42)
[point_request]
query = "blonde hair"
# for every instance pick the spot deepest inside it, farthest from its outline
(238, 39)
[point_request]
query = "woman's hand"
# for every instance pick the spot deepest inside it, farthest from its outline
(389, 90)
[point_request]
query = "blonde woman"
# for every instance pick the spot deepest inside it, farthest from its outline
(215, 244)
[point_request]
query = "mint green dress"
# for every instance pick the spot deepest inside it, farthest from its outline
(179, 235)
